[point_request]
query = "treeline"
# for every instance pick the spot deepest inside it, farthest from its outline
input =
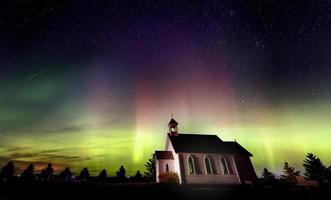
(7, 174)
(315, 171)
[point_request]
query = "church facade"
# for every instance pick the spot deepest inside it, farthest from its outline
(203, 159)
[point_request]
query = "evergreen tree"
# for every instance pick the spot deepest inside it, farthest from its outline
(121, 172)
(42, 175)
(328, 174)
(66, 174)
(84, 175)
(27, 175)
(289, 173)
(151, 168)
(49, 171)
(314, 168)
(138, 175)
(267, 175)
(102, 175)
(7, 172)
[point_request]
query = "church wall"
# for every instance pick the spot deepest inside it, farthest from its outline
(162, 166)
(202, 177)
(245, 169)
(177, 168)
(157, 166)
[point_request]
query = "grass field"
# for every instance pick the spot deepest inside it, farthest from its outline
(76, 190)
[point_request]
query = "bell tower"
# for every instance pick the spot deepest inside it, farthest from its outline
(173, 130)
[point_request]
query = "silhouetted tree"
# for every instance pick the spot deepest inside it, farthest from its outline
(314, 168)
(328, 174)
(7, 172)
(151, 168)
(47, 173)
(27, 175)
(102, 175)
(84, 175)
(42, 176)
(138, 176)
(289, 173)
(267, 175)
(121, 172)
(66, 174)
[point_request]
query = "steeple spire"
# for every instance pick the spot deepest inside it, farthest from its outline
(173, 129)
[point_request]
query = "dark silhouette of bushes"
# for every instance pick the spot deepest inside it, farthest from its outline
(47, 173)
(169, 177)
(65, 175)
(102, 176)
(138, 177)
(27, 175)
(267, 175)
(315, 171)
(84, 175)
(7, 172)
(121, 173)
(268, 179)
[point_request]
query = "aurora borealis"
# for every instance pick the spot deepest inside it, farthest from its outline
(93, 83)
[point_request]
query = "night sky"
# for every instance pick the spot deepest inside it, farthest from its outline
(93, 83)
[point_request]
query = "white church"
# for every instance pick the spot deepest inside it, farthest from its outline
(204, 159)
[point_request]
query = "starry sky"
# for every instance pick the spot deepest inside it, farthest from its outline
(93, 83)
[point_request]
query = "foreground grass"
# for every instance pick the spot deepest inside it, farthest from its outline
(77, 190)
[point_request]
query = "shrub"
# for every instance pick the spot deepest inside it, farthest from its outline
(169, 177)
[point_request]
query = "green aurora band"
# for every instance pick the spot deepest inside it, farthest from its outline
(39, 125)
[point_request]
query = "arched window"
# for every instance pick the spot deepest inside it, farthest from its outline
(224, 165)
(209, 169)
(167, 168)
(191, 167)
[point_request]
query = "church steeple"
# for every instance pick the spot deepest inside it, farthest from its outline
(173, 129)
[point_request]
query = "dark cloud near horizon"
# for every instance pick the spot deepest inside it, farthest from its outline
(51, 155)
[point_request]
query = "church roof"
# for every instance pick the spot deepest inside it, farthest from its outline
(164, 155)
(173, 121)
(196, 143)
